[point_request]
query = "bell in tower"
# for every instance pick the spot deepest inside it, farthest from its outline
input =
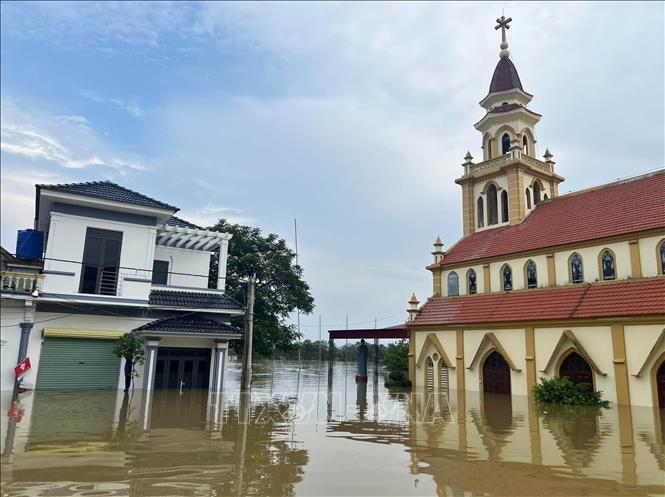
(510, 181)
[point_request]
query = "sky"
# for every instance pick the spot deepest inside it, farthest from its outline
(351, 118)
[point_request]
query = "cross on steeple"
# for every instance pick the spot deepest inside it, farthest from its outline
(503, 24)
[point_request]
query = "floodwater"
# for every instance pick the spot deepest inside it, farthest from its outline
(299, 434)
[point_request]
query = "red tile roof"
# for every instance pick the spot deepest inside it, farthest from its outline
(619, 208)
(616, 299)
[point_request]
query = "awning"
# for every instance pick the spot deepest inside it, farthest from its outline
(190, 238)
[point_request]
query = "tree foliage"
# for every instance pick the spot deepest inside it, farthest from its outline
(562, 391)
(130, 347)
(396, 361)
(280, 287)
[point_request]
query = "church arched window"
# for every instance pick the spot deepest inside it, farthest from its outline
(492, 205)
(545, 196)
(525, 145)
(505, 143)
(536, 193)
(531, 275)
(528, 199)
(472, 282)
(506, 278)
(481, 213)
(576, 268)
(661, 254)
(607, 265)
(504, 206)
(489, 148)
(453, 284)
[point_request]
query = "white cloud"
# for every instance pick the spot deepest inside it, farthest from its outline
(131, 107)
(210, 214)
(61, 140)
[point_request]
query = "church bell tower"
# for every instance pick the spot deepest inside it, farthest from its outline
(510, 181)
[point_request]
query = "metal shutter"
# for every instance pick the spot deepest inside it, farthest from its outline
(74, 363)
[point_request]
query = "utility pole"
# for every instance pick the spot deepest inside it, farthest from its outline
(246, 380)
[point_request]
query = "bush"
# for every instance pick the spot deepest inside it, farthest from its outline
(562, 391)
(396, 361)
(130, 346)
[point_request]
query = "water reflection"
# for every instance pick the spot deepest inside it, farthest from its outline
(298, 434)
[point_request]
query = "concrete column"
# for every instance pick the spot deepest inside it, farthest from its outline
(221, 349)
(151, 347)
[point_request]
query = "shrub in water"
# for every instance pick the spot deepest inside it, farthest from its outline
(562, 391)
(396, 361)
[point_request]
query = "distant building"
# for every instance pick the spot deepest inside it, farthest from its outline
(115, 261)
(543, 285)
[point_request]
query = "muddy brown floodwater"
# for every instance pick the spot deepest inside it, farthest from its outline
(299, 434)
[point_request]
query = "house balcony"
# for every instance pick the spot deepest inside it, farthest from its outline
(21, 282)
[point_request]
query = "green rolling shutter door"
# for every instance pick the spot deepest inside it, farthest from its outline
(74, 363)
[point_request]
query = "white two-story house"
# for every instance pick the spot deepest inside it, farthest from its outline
(116, 261)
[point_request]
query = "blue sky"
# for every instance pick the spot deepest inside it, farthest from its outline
(352, 118)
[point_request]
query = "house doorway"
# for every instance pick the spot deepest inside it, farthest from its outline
(577, 370)
(496, 374)
(182, 368)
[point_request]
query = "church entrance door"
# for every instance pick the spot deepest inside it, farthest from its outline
(496, 374)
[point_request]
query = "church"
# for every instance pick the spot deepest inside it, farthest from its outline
(542, 284)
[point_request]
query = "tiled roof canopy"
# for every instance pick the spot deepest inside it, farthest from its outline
(616, 209)
(189, 323)
(108, 190)
(181, 223)
(193, 300)
(599, 300)
(505, 76)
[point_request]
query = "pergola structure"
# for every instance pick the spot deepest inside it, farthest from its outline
(190, 238)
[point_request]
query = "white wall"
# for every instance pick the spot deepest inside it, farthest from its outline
(649, 256)
(190, 262)
(10, 335)
(66, 241)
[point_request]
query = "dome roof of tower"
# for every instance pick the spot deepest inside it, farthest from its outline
(505, 76)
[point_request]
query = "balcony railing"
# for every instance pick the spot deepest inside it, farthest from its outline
(19, 282)
(505, 159)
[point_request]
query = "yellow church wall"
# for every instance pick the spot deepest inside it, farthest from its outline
(463, 284)
(640, 339)
(648, 254)
(590, 260)
(517, 266)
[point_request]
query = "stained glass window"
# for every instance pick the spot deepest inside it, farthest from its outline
(528, 199)
(473, 286)
(531, 276)
(481, 213)
(607, 263)
(507, 278)
(662, 257)
(453, 284)
(576, 270)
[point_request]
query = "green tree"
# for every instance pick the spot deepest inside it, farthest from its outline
(280, 287)
(396, 361)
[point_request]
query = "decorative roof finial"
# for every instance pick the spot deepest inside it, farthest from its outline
(503, 24)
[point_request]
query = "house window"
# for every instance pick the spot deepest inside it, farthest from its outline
(453, 284)
(608, 267)
(662, 257)
(507, 278)
(492, 207)
(576, 269)
(481, 213)
(472, 282)
(504, 206)
(101, 262)
(160, 272)
(531, 275)
(528, 199)
(536, 193)
(525, 144)
(505, 143)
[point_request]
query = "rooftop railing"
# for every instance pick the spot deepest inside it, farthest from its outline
(20, 282)
(512, 155)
